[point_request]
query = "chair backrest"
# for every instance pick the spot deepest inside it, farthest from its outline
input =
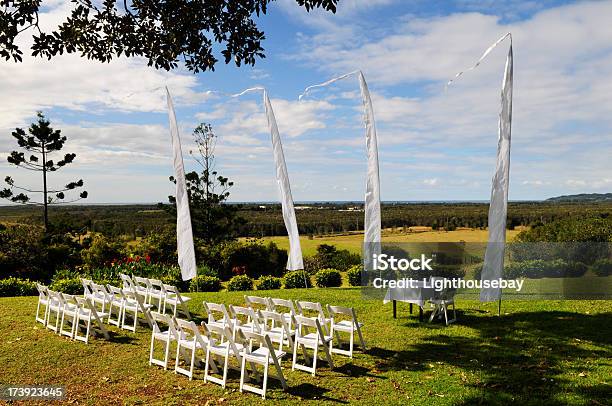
(159, 318)
(277, 319)
(189, 330)
(241, 315)
(215, 308)
(276, 304)
(68, 300)
(308, 322)
(127, 281)
(446, 293)
(253, 301)
(97, 288)
(335, 311)
(303, 307)
(116, 292)
(260, 340)
(172, 291)
(43, 291)
(140, 281)
(226, 335)
(87, 291)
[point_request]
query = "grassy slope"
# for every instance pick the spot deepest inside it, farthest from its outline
(353, 242)
(547, 352)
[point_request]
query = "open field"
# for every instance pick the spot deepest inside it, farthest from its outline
(537, 352)
(354, 242)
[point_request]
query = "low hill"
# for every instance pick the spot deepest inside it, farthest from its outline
(583, 197)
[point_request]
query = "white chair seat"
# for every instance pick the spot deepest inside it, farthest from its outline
(191, 344)
(221, 349)
(311, 338)
(260, 354)
(172, 300)
(84, 314)
(346, 325)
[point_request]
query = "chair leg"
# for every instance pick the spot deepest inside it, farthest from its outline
(225, 367)
(314, 362)
(167, 354)
(265, 381)
(351, 343)
(151, 350)
(242, 370)
(363, 344)
(295, 344)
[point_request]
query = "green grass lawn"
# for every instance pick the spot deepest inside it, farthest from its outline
(537, 352)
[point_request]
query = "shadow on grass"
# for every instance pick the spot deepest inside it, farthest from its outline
(518, 358)
(312, 392)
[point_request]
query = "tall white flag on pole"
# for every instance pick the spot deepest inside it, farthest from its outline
(493, 266)
(184, 233)
(372, 219)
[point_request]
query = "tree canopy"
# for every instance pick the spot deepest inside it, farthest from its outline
(162, 31)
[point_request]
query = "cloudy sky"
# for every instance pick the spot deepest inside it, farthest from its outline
(434, 144)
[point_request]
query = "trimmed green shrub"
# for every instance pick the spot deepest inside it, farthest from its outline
(297, 279)
(17, 287)
(205, 270)
(603, 267)
(328, 278)
(239, 283)
(269, 283)
(354, 275)
(72, 286)
(204, 283)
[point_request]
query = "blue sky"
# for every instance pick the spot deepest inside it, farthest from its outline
(434, 145)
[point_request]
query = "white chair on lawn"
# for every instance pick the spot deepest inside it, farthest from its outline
(135, 306)
(191, 340)
(176, 301)
(142, 287)
(127, 281)
(225, 350)
(285, 307)
(156, 293)
(55, 307)
(277, 328)
(217, 315)
(257, 302)
(167, 336)
(91, 318)
(260, 351)
(43, 301)
(243, 319)
(313, 341)
(441, 301)
(305, 308)
(99, 296)
(69, 314)
(339, 324)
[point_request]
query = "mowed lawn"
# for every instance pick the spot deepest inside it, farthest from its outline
(354, 242)
(537, 352)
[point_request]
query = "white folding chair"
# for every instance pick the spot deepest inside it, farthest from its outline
(55, 306)
(243, 319)
(307, 308)
(43, 300)
(225, 350)
(127, 281)
(156, 294)
(92, 318)
(115, 304)
(176, 301)
(167, 336)
(99, 296)
(257, 302)
(260, 351)
(190, 339)
(285, 307)
(313, 341)
(275, 325)
(142, 287)
(441, 301)
(338, 325)
(69, 314)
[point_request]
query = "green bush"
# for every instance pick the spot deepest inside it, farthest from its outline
(328, 278)
(204, 283)
(354, 275)
(173, 277)
(17, 287)
(603, 267)
(297, 279)
(269, 283)
(71, 286)
(205, 270)
(240, 283)
(101, 251)
(328, 256)
(258, 259)
(538, 268)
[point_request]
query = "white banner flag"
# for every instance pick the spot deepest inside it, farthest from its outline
(493, 266)
(184, 234)
(372, 221)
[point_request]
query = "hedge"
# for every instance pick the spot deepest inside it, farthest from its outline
(17, 287)
(354, 275)
(72, 286)
(204, 283)
(328, 278)
(269, 283)
(297, 279)
(239, 283)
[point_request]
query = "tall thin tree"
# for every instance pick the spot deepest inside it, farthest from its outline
(41, 142)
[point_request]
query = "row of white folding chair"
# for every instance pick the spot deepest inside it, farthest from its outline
(158, 293)
(334, 323)
(217, 342)
(75, 312)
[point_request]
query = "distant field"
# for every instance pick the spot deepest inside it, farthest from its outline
(353, 242)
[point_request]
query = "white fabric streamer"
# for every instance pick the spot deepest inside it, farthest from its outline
(493, 266)
(184, 234)
(295, 260)
(372, 220)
